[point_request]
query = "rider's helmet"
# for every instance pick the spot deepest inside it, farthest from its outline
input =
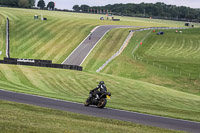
(101, 82)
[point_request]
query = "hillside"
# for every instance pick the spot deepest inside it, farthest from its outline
(135, 85)
(170, 60)
(57, 37)
(36, 119)
(127, 94)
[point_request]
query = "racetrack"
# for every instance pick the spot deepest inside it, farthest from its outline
(145, 119)
(82, 51)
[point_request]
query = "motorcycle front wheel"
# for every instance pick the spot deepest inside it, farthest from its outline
(102, 103)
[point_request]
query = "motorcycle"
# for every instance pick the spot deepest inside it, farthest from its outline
(100, 102)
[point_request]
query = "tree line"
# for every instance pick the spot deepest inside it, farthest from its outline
(27, 4)
(158, 9)
(41, 4)
(18, 3)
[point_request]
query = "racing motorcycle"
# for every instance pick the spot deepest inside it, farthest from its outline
(99, 101)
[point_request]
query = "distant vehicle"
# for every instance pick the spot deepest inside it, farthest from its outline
(101, 18)
(187, 24)
(160, 33)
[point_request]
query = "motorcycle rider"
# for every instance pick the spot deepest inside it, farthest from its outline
(96, 92)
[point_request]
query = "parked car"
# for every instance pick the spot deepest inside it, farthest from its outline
(101, 18)
(160, 33)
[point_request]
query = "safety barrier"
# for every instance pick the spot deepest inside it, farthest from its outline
(39, 63)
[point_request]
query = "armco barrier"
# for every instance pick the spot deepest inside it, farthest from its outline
(39, 63)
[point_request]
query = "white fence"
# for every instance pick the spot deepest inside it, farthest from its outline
(7, 39)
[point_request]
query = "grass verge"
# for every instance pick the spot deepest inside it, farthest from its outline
(23, 118)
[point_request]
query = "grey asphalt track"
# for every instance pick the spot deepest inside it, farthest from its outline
(145, 119)
(81, 52)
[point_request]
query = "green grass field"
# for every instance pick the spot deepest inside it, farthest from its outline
(170, 60)
(57, 37)
(136, 85)
(127, 94)
(23, 118)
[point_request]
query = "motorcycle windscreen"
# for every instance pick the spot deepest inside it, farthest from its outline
(107, 96)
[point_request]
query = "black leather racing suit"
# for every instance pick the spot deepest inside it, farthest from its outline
(96, 92)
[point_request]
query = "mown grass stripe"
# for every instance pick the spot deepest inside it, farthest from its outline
(58, 48)
(37, 42)
(35, 30)
(24, 26)
(196, 53)
(185, 48)
(192, 48)
(196, 48)
(67, 48)
(53, 43)
(11, 16)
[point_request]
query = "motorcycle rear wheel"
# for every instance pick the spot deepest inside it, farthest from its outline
(102, 103)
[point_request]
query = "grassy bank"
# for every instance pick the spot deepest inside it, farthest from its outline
(170, 60)
(127, 94)
(23, 118)
(57, 37)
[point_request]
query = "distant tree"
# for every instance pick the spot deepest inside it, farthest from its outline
(76, 8)
(84, 8)
(23, 3)
(12, 3)
(190, 16)
(41, 4)
(31, 3)
(158, 10)
(51, 5)
(18, 3)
